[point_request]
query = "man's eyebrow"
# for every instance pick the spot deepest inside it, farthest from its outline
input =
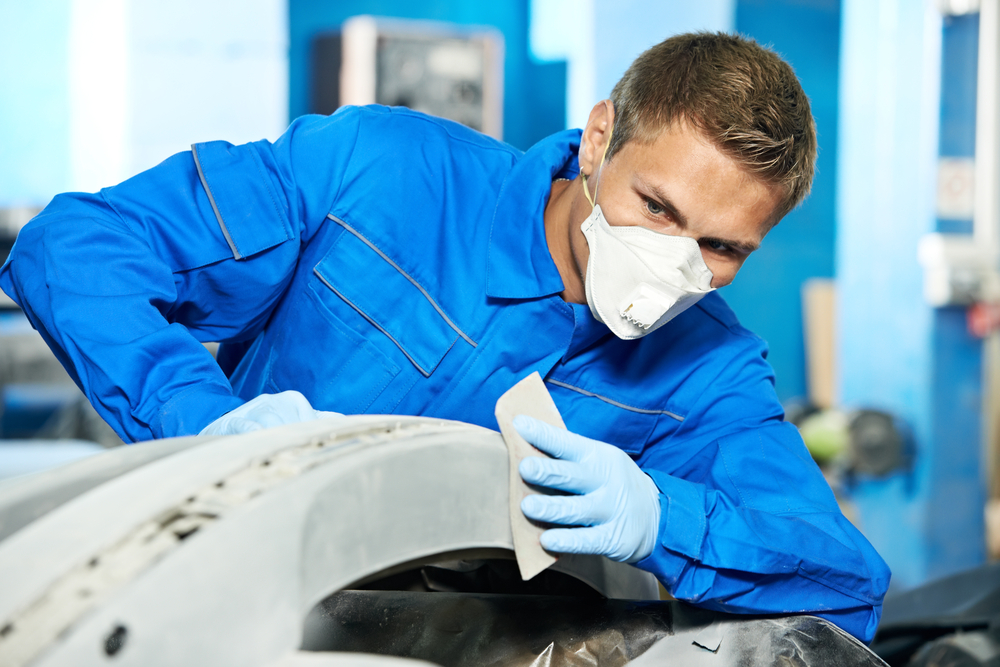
(663, 200)
(740, 246)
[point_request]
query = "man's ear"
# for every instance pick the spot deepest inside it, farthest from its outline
(596, 135)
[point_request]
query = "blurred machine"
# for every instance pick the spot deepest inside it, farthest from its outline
(436, 68)
(952, 621)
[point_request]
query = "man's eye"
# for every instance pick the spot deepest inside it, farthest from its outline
(653, 207)
(716, 245)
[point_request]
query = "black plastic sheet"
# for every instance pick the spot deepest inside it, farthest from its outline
(952, 621)
(453, 629)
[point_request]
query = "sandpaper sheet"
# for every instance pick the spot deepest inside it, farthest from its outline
(527, 397)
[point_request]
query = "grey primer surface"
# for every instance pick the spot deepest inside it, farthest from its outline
(214, 553)
(226, 551)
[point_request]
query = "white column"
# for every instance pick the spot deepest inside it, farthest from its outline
(564, 30)
(148, 79)
(98, 95)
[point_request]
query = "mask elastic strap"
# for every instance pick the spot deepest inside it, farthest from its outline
(586, 190)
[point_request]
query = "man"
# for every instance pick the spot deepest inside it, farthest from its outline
(382, 261)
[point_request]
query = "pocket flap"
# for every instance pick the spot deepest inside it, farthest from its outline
(245, 204)
(371, 283)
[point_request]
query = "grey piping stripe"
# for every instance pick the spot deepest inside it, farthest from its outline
(373, 323)
(211, 200)
(615, 403)
(405, 275)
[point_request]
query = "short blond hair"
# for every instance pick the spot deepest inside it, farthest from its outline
(743, 97)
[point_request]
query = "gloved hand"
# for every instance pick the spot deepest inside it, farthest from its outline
(618, 509)
(265, 411)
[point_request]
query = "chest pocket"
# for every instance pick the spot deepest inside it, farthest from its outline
(387, 299)
(603, 418)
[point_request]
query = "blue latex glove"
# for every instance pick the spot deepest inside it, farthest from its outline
(618, 506)
(265, 411)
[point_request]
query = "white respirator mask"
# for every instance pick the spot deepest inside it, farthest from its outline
(637, 279)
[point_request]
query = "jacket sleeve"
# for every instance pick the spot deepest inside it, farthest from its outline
(748, 523)
(123, 284)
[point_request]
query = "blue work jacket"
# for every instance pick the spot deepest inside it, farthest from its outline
(383, 261)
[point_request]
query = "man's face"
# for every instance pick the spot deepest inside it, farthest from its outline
(682, 185)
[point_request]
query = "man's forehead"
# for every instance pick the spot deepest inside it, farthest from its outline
(773, 193)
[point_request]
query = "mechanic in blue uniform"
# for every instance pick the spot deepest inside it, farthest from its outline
(382, 261)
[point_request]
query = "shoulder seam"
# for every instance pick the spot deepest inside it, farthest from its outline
(332, 202)
(121, 217)
(499, 146)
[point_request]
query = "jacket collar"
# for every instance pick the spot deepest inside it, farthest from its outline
(519, 263)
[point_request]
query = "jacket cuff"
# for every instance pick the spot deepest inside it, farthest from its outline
(190, 411)
(683, 523)
(682, 529)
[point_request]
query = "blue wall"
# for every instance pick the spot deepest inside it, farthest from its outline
(905, 99)
(888, 130)
(959, 63)
(626, 28)
(767, 293)
(956, 487)
(34, 101)
(534, 93)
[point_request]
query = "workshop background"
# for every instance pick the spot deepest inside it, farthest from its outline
(888, 363)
